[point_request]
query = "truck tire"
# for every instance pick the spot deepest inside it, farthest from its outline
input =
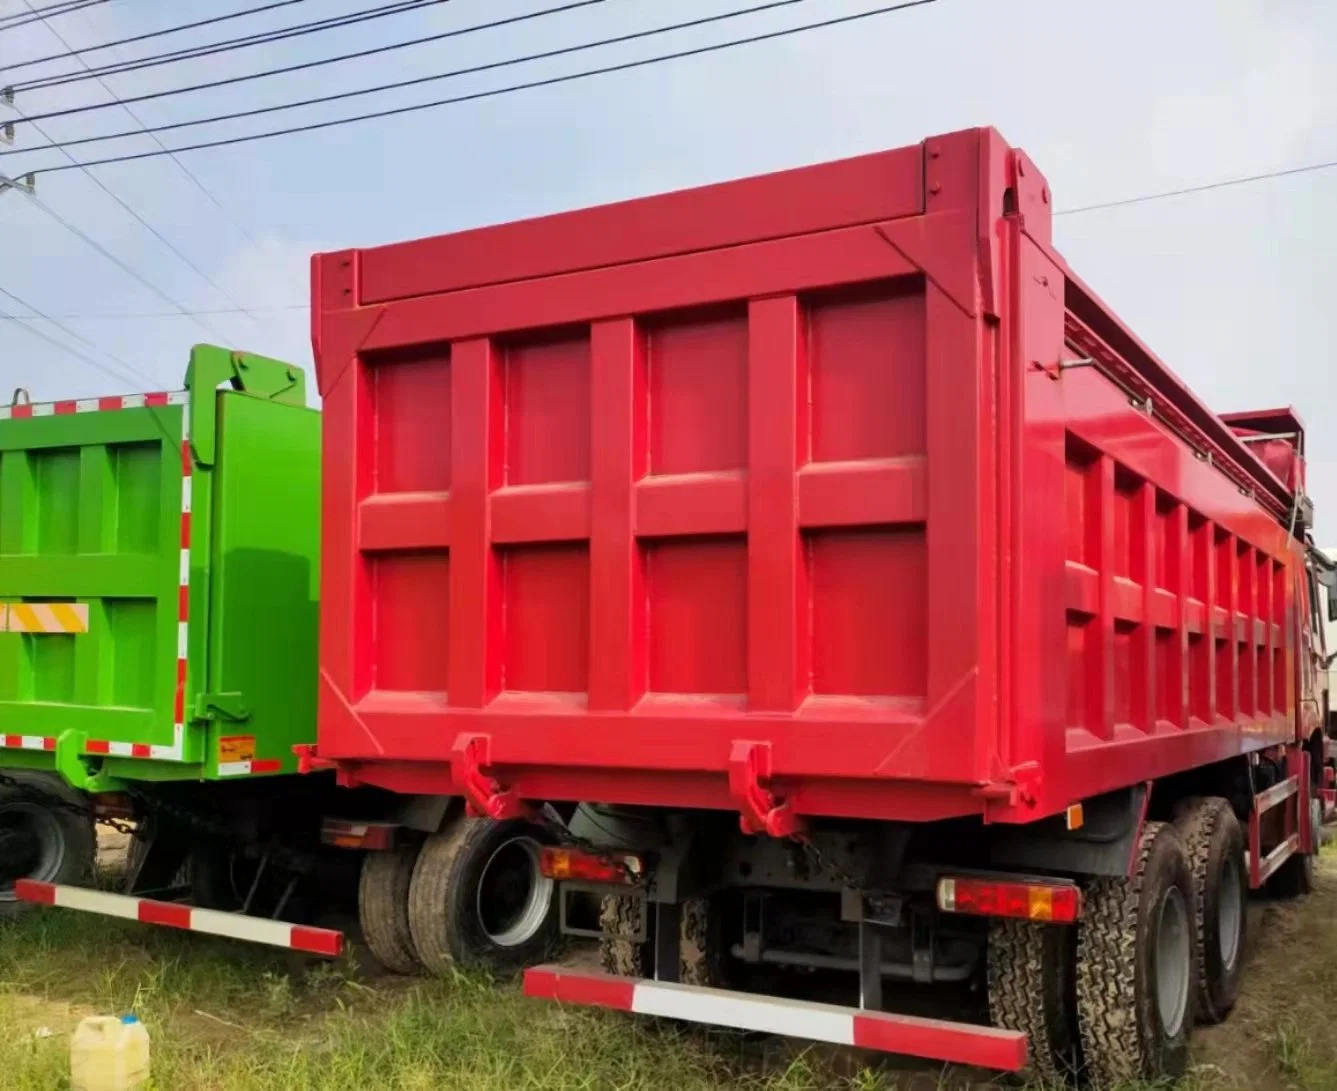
(477, 899)
(1032, 985)
(620, 953)
(383, 908)
(1295, 878)
(703, 956)
(41, 838)
(1136, 972)
(1214, 843)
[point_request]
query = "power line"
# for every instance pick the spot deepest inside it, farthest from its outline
(442, 36)
(1223, 183)
(229, 45)
(186, 171)
(21, 321)
(151, 34)
(113, 316)
(88, 240)
(533, 84)
(130, 375)
(22, 19)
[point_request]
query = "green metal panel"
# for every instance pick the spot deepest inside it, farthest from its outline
(263, 616)
(96, 504)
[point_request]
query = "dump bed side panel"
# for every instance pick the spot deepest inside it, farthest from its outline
(647, 530)
(1156, 622)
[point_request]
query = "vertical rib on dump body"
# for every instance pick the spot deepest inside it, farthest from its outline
(830, 492)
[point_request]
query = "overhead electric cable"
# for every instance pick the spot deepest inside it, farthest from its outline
(1223, 183)
(228, 81)
(130, 374)
(186, 171)
(230, 45)
(98, 47)
(34, 15)
(532, 84)
(129, 271)
(130, 316)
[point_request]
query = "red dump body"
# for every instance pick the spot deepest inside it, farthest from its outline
(799, 488)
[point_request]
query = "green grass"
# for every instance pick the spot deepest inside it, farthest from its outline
(227, 1017)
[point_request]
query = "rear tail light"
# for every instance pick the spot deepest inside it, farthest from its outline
(1059, 902)
(372, 836)
(567, 863)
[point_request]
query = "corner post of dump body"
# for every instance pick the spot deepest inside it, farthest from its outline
(619, 453)
(778, 667)
(338, 329)
(477, 449)
(1026, 341)
(960, 684)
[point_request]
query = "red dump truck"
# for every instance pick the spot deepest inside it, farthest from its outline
(898, 621)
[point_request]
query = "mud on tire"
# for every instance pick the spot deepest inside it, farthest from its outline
(383, 908)
(620, 953)
(702, 952)
(476, 899)
(1032, 983)
(1136, 934)
(1214, 844)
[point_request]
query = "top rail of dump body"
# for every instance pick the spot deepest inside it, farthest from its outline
(751, 497)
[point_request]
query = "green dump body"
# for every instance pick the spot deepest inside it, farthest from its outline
(159, 573)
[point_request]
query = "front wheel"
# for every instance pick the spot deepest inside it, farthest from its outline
(42, 836)
(479, 900)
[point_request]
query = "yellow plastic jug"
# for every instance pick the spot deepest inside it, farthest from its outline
(109, 1054)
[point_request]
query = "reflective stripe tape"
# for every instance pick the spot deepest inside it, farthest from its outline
(246, 768)
(27, 742)
(44, 617)
(110, 403)
(935, 1039)
(317, 941)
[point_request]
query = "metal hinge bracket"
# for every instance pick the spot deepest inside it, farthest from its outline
(484, 796)
(749, 784)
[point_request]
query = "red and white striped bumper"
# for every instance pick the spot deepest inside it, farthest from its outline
(316, 941)
(934, 1039)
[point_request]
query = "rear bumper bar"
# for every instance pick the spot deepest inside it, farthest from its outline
(296, 937)
(933, 1039)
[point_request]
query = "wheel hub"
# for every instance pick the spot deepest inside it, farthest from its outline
(513, 893)
(1230, 913)
(1173, 961)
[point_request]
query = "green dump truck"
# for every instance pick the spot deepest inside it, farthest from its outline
(159, 575)
(159, 618)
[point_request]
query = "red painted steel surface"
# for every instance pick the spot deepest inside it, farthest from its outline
(775, 496)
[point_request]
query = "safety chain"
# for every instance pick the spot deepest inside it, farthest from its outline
(33, 794)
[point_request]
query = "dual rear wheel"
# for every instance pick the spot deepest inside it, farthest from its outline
(471, 895)
(1116, 997)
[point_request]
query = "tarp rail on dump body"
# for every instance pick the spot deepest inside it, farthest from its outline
(777, 496)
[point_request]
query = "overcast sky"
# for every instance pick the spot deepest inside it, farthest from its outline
(1233, 288)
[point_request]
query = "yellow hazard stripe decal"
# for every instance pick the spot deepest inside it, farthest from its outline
(44, 617)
